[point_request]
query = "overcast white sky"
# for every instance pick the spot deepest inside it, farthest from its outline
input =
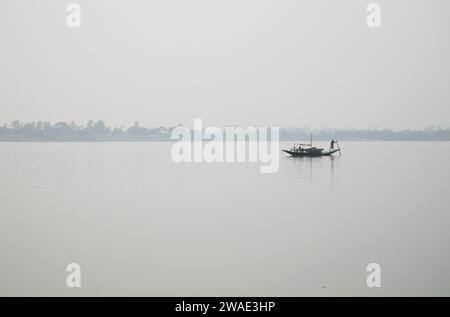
(252, 62)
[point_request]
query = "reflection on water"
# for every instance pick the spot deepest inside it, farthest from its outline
(319, 168)
(139, 224)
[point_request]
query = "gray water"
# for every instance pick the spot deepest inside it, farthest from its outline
(139, 224)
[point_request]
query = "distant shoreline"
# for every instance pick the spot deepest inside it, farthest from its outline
(98, 131)
(124, 140)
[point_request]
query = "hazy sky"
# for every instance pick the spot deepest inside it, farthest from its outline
(250, 62)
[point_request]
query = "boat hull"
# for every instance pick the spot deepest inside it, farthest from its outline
(305, 154)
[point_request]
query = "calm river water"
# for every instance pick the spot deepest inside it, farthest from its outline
(139, 224)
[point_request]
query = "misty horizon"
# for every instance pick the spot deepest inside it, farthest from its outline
(123, 125)
(98, 130)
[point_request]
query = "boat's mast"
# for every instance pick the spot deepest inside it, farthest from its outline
(311, 140)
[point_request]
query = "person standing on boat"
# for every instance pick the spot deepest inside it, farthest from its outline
(332, 143)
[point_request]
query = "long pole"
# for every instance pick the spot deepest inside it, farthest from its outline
(311, 140)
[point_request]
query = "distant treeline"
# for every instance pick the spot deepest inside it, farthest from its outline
(92, 131)
(428, 134)
(99, 131)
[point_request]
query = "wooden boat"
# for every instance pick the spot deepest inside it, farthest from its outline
(308, 150)
(314, 152)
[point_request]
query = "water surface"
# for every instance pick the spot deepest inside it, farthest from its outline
(139, 224)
